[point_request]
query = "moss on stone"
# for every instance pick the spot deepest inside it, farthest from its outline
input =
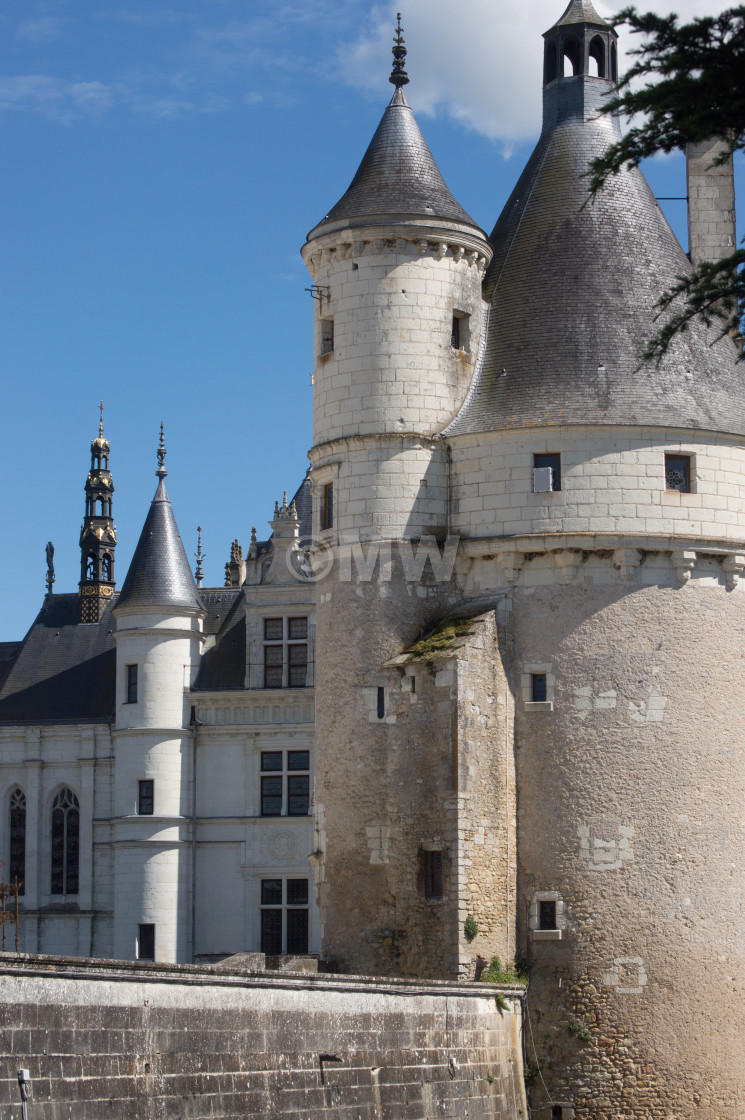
(439, 640)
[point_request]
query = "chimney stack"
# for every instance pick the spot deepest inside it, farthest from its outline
(711, 202)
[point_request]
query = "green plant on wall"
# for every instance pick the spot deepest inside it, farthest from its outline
(470, 928)
(512, 974)
(579, 1030)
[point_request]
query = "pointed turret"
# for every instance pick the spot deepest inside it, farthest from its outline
(398, 178)
(97, 534)
(159, 575)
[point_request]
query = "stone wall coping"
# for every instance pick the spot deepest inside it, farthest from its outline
(144, 972)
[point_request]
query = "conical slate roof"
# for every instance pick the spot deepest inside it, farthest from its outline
(580, 11)
(397, 178)
(159, 575)
(573, 286)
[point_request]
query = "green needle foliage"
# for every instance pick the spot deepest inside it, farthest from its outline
(695, 91)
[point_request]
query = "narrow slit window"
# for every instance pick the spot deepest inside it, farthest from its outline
(381, 703)
(145, 797)
(433, 879)
(17, 867)
(538, 688)
(546, 915)
(146, 942)
(327, 336)
(131, 684)
(459, 331)
(327, 506)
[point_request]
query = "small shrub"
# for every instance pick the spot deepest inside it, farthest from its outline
(579, 1030)
(513, 974)
(470, 928)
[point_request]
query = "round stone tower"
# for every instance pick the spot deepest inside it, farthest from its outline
(397, 268)
(158, 638)
(603, 496)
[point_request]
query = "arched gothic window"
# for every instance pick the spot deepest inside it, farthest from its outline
(613, 63)
(65, 843)
(17, 868)
(597, 56)
(572, 57)
(90, 567)
(106, 567)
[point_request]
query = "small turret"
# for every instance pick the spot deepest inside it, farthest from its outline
(98, 533)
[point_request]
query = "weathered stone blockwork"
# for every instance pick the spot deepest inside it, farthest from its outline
(127, 1041)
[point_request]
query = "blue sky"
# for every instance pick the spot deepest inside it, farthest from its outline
(162, 166)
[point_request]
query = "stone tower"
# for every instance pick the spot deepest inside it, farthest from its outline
(98, 534)
(158, 641)
(539, 747)
(611, 491)
(397, 267)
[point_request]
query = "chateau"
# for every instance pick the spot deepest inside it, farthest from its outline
(481, 692)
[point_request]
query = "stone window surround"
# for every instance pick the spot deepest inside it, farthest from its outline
(321, 477)
(526, 683)
(538, 934)
(692, 475)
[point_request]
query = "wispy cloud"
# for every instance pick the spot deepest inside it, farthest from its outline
(40, 30)
(482, 68)
(64, 101)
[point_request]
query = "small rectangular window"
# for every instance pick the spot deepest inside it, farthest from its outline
(327, 506)
(131, 684)
(327, 336)
(271, 797)
(678, 473)
(146, 943)
(546, 473)
(145, 798)
(455, 334)
(298, 795)
(546, 915)
(538, 689)
(381, 703)
(273, 630)
(459, 331)
(284, 791)
(433, 874)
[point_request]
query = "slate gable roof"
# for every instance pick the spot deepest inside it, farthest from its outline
(398, 178)
(64, 670)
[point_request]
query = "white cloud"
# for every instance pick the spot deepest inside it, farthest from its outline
(480, 64)
(40, 30)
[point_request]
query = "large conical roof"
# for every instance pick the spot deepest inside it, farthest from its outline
(159, 575)
(573, 286)
(398, 178)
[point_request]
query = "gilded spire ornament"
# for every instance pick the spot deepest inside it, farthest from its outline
(399, 77)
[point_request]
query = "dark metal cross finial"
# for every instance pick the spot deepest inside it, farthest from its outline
(161, 471)
(50, 567)
(100, 422)
(399, 77)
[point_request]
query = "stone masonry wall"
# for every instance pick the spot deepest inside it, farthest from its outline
(106, 1038)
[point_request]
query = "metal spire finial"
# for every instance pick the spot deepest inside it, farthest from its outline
(161, 471)
(399, 77)
(100, 422)
(50, 567)
(200, 556)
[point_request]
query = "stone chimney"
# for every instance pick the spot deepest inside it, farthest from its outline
(711, 202)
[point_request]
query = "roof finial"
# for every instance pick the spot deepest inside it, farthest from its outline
(100, 422)
(200, 556)
(161, 471)
(399, 77)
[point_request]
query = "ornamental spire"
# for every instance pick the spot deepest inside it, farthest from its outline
(161, 471)
(100, 422)
(200, 557)
(399, 77)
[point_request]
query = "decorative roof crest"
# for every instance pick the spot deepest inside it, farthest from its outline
(399, 77)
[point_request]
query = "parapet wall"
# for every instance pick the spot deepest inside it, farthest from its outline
(130, 1040)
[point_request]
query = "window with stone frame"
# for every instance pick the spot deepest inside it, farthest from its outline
(65, 843)
(131, 684)
(284, 916)
(17, 862)
(433, 874)
(285, 783)
(327, 506)
(146, 942)
(285, 652)
(678, 473)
